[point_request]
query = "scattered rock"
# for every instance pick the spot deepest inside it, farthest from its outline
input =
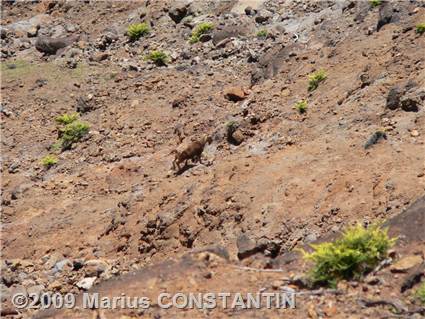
(53, 260)
(26, 27)
(410, 224)
(55, 285)
(406, 98)
(83, 105)
(414, 133)
(413, 277)
(249, 11)
(71, 63)
(178, 101)
(410, 103)
(32, 32)
(237, 137)
(385, 14)
(86, 283)
(365, 80)
(393, 98)
(205, 37)
(263, 16)
(406, 263)
(372, 280)
(95, 267)
(178, 11)
(13, 167)
(61, 265)
(99, 56)
(235, 94)
(50, 46)
(375, 138)
(246, 246)
(70, 27)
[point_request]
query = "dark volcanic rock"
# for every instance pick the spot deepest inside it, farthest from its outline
(413, 277)
(409, 224)
(375, 138)
(263, 16)
(48, 45)
(271, 63)
(405, 98)
(246, 246)
(178, 11)
(410, 103)
(385, 14)
(393, 98)
(83, 106)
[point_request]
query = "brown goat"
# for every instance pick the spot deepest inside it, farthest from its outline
(192, 152)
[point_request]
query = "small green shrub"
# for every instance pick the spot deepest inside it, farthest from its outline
(49, 160)
(70, 134)
(420, 294)
(357, 252)
(420, 28)
(137, 30)
(199, 30)
(67, 118)
(315, 78)
(375, 3)
(301, 106)
(262, 33)
(158, 57)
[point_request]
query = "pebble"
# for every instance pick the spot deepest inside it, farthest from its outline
(414, 133)
(86, 283)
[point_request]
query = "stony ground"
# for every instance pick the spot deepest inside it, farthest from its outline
(113, 206)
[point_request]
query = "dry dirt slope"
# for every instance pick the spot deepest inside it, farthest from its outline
(112, 199)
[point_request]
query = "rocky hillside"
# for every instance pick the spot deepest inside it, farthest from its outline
(316, 113)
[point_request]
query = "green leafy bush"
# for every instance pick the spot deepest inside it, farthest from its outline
(199, 30)
(357, 252)
(301, 106)
(70, 134)
(137, 30)
(420, 28)
(158, 57)
(67, 118)
(49, 160)
(420, 294)
(262, 33)
(375, 3)
(315, 78)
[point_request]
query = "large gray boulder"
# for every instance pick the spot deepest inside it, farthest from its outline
(50, 46)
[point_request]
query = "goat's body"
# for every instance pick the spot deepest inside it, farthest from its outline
(192, 152)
